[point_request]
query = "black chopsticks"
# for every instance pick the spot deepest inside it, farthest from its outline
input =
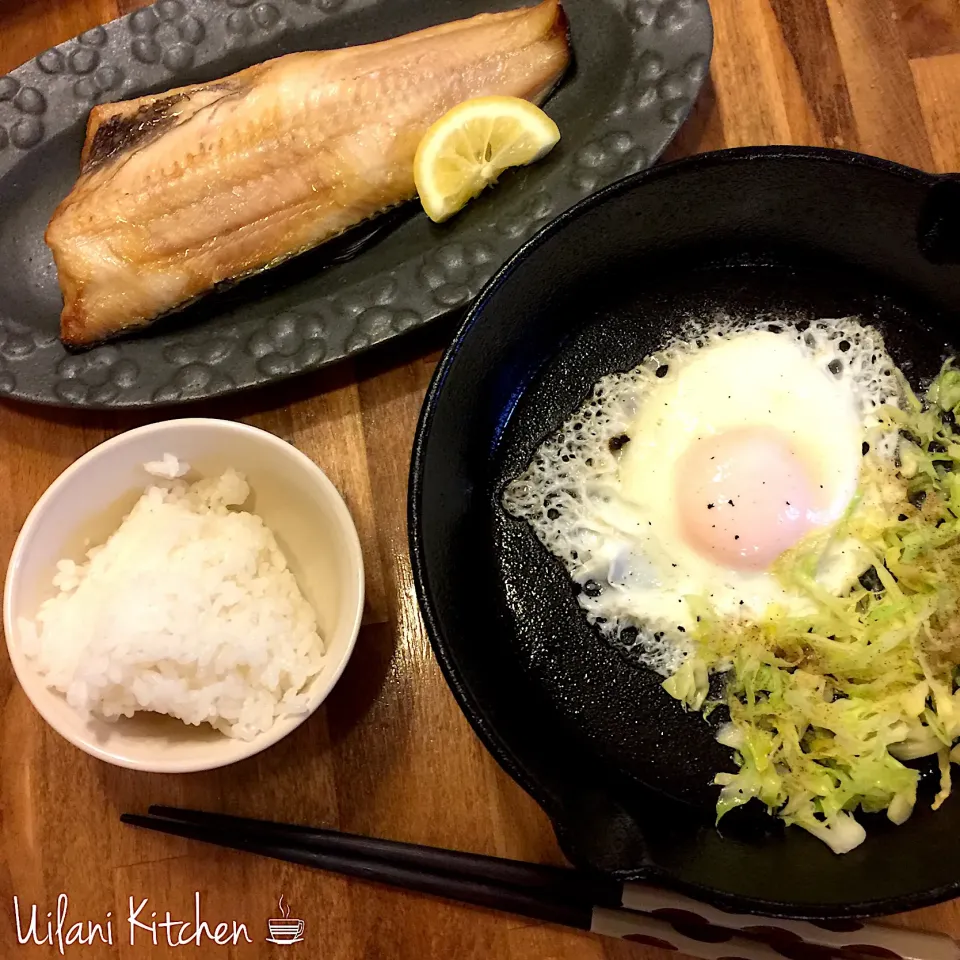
(568, 886)
(552, 894)
(399, 865)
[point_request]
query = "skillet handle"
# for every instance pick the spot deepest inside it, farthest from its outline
(938, 227)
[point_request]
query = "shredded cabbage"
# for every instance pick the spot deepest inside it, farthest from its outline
(827, 709)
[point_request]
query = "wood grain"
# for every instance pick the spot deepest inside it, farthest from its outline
(390, 754)
(885, 102)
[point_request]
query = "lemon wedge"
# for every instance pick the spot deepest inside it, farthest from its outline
(472, 144)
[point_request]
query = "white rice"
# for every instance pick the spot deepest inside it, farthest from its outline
(188, 609)
(168, 467)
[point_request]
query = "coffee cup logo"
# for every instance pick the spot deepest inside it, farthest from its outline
(283, 929)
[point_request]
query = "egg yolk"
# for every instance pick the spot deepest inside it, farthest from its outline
(744, 496)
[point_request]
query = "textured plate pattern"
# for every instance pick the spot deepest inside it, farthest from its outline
(639, 66)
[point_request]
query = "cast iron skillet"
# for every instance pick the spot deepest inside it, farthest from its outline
(621, 770)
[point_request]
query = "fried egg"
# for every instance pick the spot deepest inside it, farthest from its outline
(691, 474)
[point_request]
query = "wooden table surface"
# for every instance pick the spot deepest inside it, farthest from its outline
(390, 754)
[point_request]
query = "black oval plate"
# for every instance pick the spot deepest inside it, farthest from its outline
(638, 67)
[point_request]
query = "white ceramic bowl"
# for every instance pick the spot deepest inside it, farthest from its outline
(87, 502)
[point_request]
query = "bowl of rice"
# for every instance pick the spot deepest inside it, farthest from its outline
(184, 595)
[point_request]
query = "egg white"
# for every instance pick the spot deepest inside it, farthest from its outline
(608, 510)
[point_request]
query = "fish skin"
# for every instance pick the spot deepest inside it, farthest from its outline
(184, 190)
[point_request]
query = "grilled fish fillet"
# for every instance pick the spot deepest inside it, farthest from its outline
(186, 189)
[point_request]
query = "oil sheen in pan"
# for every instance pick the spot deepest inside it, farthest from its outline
(609, 698)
